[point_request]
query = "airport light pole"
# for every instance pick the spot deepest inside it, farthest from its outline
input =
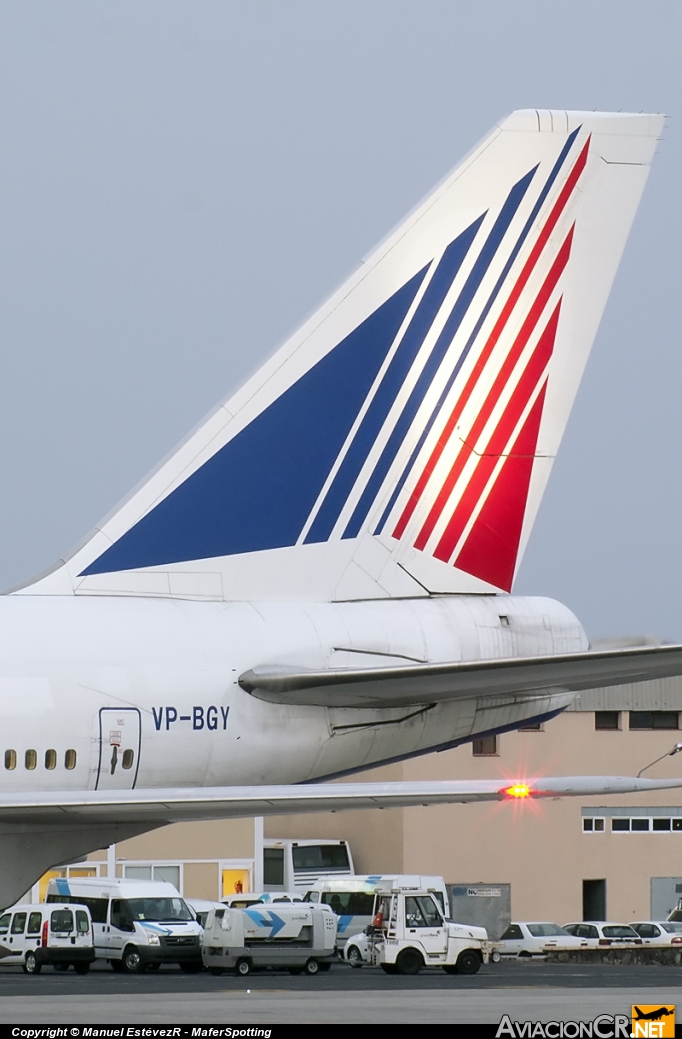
(668, 754)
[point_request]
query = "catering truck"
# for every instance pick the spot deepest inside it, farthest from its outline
(292, 936)
(409, 931)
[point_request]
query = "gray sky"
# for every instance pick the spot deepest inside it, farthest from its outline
(181, 182)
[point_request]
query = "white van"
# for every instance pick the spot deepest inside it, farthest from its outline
(352, 898)
(35, 935)
(138, 924)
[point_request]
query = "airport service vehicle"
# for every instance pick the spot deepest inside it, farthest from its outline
(352, 899)
(319, 579)
(248, 898)
(35, 935)
(138, 924)
(292, 864)
(293, 936)
(659, 932)
(535, 939)
(408, 932)
(593, 934)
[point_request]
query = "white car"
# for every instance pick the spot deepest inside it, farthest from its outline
(594, 934)
(201, 907)
(356, 950)
(535, 939)
(659, 932)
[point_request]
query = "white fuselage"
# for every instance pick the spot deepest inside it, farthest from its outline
(158, 679)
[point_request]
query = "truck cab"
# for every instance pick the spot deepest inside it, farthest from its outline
(409, 931)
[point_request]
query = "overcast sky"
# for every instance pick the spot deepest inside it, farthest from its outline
(181, 182)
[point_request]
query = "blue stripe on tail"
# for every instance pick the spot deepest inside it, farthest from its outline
(257, 492)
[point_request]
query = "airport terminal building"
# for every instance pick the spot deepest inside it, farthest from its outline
(618, 857)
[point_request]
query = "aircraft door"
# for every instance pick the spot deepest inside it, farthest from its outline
(120, 736)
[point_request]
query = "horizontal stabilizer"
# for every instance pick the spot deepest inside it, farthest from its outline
(434, 683)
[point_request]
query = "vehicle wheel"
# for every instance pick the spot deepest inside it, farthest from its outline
(153, 966)
(132, 961)
(32, 964)
(389, 968)
(116, 965)
(81, 968)
(409, 962)
(312, 967)
(495, 957)
(191, 967)
(324, 966)
(217, 972)
(61, 967)
(354, 956)
(243, 967)
(468, 962)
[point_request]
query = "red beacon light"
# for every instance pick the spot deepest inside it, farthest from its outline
(518, 790)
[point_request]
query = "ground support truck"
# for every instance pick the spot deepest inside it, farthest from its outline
(291, 936)
(408, 932)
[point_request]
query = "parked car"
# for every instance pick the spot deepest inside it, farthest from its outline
(201, 907)
(59, 934)
(356, 950)
(535, 938)
(595, 933)
(659, 932)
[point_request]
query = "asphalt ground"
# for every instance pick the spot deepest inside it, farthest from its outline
(525, 990)
(509, 973)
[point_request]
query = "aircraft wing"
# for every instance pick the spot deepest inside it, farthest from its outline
(433, 683)
(147, 809)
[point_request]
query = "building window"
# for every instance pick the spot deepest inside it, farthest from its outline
(604, 720)
(10, 759)
(654, 720)
(485, 747)
(70, 760)
(620, 825)
(663, 825)
(593, 825)
(50, 759)
(531, 727)
(639, 825)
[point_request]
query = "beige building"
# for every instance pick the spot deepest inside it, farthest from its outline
(565, 859)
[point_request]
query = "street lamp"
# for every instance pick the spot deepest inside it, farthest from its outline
(676, 750)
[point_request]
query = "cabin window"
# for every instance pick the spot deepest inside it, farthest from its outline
(50, 759)
(10, 759)
(128, 758)
(70, 760)
(30, 759)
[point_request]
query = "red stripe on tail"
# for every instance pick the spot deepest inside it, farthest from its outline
(478, 368)
(491, 550)
(499, 440)
(496, 391)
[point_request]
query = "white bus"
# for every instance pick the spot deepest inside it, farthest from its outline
(352, 898)
(290, 865)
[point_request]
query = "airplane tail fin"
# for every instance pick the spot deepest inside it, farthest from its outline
(399, 442)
